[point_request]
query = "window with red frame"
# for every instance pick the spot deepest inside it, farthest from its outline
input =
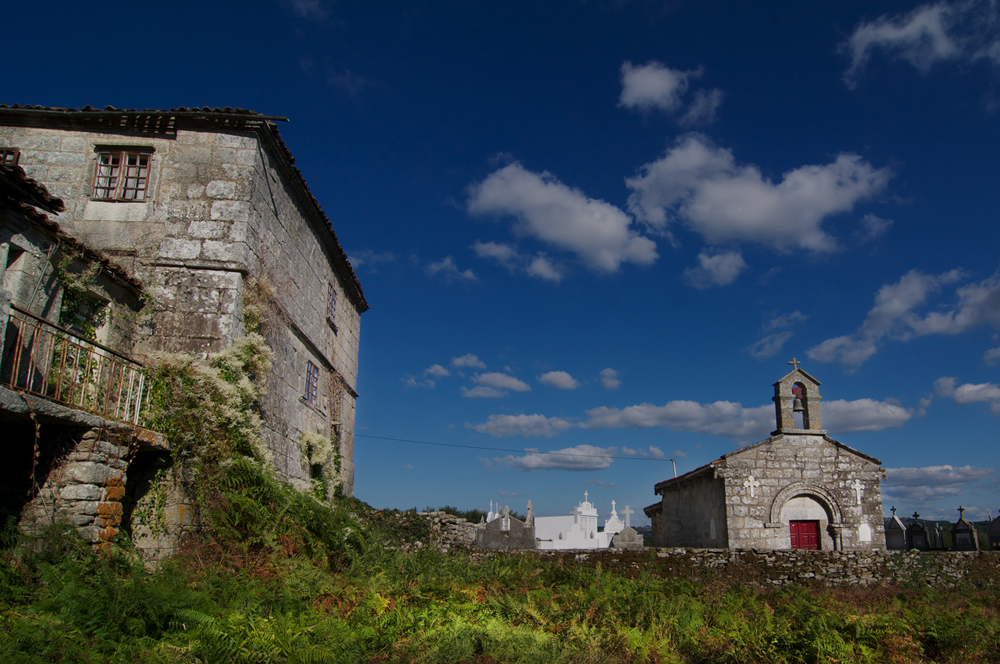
(121, 175)
(312, 382)
(9, 156)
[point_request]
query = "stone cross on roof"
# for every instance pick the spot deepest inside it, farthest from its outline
(585, 494)
(894, 510)
(628, 512)
(795, 364)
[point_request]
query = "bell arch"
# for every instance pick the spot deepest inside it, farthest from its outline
(824, 497)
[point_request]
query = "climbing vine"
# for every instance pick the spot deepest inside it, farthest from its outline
(80, 310)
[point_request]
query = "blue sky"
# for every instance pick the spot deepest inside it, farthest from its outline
(603, 228)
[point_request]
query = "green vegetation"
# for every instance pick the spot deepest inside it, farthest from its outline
(278, 575)
(284, 578)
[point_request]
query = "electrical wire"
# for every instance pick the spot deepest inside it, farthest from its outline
(505, 449)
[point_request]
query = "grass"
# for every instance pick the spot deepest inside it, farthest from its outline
(329, 583)
(279, 576)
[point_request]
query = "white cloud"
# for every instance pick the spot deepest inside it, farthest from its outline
(872, 227)
(653, 85)
(410, 381)
(581, 457)
(447, 270)
(770, 344)
(482, 392)
(469, 360)
(437, 370)
(842, 416)
(785, 320)
(702, 109)
(722, 418)
(559, 379)
(501, 381)
(703, 186)
(599, 233)
(596, 482)
(719, 269)
(370, 258)
(731, 420)
(651, 453)
(678, 454)
(930, 34)
(991, 356)
(894, 316)
(969, 393)
(919, 487)
(528, 426)
(541, 267)
(609, 379)
(502, 253)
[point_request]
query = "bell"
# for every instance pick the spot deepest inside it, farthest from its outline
(797, 406)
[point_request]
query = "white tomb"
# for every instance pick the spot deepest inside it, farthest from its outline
(578, 530)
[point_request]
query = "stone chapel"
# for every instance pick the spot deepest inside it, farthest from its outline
(798, 489)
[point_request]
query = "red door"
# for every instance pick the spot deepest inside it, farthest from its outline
(805, 534)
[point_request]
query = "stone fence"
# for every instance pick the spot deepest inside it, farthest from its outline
(750, 567)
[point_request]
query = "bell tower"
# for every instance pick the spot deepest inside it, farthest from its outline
(797, 395)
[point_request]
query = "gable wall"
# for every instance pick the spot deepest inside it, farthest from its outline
(794, 460)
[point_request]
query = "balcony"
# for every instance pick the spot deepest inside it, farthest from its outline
(50, 361)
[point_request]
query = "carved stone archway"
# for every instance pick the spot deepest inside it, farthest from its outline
(811, 490)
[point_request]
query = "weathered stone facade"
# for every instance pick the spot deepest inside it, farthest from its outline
(224, 212)
(757, 496)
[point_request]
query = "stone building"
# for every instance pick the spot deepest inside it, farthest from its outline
(207, 209)
(70, 395)
(798, 489)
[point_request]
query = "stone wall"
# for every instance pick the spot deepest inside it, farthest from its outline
(694, 514)
(790, 465)
(779, 568)
(222, 207)
(450, 533)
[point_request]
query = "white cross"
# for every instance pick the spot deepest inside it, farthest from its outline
(751, 484)
(858, 486)
(627, 512)
(612, 506)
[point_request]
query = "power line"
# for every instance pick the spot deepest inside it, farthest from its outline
(505, 449)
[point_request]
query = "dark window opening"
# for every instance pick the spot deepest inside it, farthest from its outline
(312, 383)
(121, 175)
(315, 471)
(147, 469)
(9, 156)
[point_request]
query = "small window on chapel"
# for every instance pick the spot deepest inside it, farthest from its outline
(312, 383)
(9, 156)
(122, 174)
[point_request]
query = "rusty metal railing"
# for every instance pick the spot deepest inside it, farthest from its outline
(42, 358)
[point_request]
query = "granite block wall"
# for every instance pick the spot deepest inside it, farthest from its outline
(222, 208)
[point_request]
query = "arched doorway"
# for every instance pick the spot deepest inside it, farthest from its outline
(805, 513)
(807, 521)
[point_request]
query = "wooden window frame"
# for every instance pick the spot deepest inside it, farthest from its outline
(119, 183)
(10, 156)
(311, 392)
